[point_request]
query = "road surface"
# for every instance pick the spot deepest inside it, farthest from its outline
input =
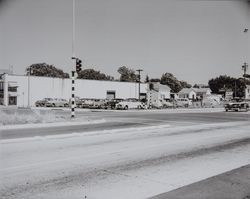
(132, 155)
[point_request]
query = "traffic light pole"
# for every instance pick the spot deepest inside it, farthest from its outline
(73, 94)
(74, 63)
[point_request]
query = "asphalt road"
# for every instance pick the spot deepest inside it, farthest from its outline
(126, 119)
(150, 154)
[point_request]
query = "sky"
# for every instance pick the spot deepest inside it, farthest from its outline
(195, 40)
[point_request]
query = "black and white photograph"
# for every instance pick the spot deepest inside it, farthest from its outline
(124, 99)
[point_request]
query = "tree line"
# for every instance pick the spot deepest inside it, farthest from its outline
(217, 85)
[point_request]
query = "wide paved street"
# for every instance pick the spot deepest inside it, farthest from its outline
(131, 154)
(128, 119)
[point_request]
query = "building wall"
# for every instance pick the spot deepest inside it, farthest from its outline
(247, 92)
(192, 95)
(41, 87)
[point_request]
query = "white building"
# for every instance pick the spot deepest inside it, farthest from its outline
(33, 88)
(247, 92)
(157, 93)
(187, 93)
(202, 93)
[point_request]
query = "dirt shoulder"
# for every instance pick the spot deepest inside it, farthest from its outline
(234, 184)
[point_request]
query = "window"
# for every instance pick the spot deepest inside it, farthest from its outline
(1, 86)
(12, 89)
(110, 95)
(12, 101)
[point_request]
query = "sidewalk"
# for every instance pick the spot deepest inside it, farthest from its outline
(234, 184)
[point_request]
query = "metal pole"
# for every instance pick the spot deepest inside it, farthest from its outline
(73, 63)
(244, 68)
(29, 87)
(235, 89)
(139, 92)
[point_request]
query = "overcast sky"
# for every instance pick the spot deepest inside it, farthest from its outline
(194, 40)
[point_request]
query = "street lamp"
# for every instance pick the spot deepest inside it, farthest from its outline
(139, 71)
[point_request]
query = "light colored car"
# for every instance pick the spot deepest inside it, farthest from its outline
(99, 103)
(130, 104)
(161, 103)
(56, 102)
(87, 103)
(183, 102)
(41, 103)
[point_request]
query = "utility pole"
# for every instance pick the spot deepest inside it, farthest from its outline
(235, 89)
(244, 68)
(139, 92)
(29, 72)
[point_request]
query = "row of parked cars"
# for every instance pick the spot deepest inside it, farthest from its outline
(52, 102)
(116, 103)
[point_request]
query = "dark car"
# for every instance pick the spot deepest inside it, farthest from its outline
(112, 103)
(237, 106)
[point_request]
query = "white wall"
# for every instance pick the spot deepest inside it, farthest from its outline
(247, 92)
(41, 87)
(191, 94)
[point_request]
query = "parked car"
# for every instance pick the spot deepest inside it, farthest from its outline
(130, 104)
(99, 103)
(237, 106)
(41, 103)
(112, 103)
(167, 104)
(183, 102)
(161, 103)
(56, 102)
(87, 103)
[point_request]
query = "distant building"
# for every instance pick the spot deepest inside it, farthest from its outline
(8, 91)
(156, 93)
(203, 92)
(15, 89)
(247, 92)
(189, 93)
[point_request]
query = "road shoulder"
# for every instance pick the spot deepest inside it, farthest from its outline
(234, 184)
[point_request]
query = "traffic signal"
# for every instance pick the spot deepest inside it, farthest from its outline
(78, 65)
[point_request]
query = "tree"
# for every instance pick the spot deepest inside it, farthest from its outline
(185, 84)
(200, 86)
(170, 80)
(127, 74)
(225, 82)
(93, 74)
(155, 80)
(43, 69)
(147, 79)
(196, 86)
